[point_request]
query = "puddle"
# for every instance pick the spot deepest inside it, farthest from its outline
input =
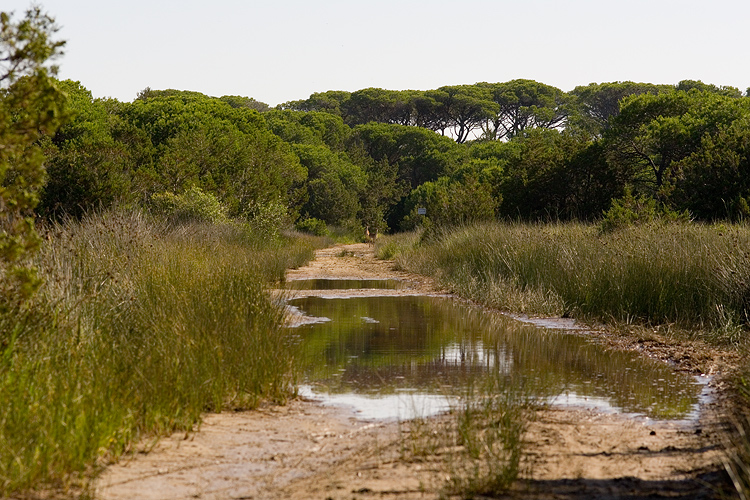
(407, 356)
(346, 284)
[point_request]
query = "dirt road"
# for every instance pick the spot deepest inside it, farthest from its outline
(308, 451)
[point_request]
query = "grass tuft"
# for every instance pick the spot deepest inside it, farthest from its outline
(478, 446)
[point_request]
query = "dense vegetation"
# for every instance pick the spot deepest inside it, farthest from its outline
(162, 222)
(139, 327)
(120, 324)
(518, 150)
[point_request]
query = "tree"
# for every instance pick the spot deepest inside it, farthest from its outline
(87, 168)
(226, 151)
(428, 111)
(652, 133)
(382, 193)
(311, 127)
(688, 85)
(715, 180)
(244, 102)
(526, 189)
(451, 202)
(242, 169)
(522, 104)
(334, 184)
(377, 105)
(598, 103)
(328, 102)
(30, 106)
(466, 107)
(421, 155)
(416, 154)
(331, 201)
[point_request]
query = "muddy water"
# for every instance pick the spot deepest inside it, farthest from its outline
(414, 355)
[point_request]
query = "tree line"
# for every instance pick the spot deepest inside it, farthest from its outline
(374, 156)
(519, 149)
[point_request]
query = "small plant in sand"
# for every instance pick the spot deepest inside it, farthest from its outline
(478, 445)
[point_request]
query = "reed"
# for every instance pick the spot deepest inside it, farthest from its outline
(689, 275)
(387, 247)
(737, 439)
(488, 429)
(139, 328)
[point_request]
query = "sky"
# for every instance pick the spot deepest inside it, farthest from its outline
(283, 50)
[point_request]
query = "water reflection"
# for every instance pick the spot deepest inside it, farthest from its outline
(381, 346)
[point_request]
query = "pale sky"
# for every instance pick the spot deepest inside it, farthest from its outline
(282, 50)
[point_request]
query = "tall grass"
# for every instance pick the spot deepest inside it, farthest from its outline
(737, 440)
(694, 276)
(138, 329)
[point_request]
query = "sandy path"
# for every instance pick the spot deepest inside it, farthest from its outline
(305, 450)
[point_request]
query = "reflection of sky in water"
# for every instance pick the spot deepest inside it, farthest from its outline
(404, 405)
(407, 405)
(374, 348)
(603, 404)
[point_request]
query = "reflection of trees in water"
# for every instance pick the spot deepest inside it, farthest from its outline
(429, 343)
(442, 375)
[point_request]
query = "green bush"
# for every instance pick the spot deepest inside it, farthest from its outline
(313, 226)
(267, 219)
(191, 206)
(630, 210)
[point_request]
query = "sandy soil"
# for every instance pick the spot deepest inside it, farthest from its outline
(308, 451)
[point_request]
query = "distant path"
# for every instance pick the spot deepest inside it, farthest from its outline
(357, 261)
(307, 451)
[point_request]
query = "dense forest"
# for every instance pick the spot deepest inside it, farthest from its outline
(519, 149)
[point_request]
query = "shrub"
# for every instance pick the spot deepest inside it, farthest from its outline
(191, 206)
(312, 226)
(629, 211)
(267, 219)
